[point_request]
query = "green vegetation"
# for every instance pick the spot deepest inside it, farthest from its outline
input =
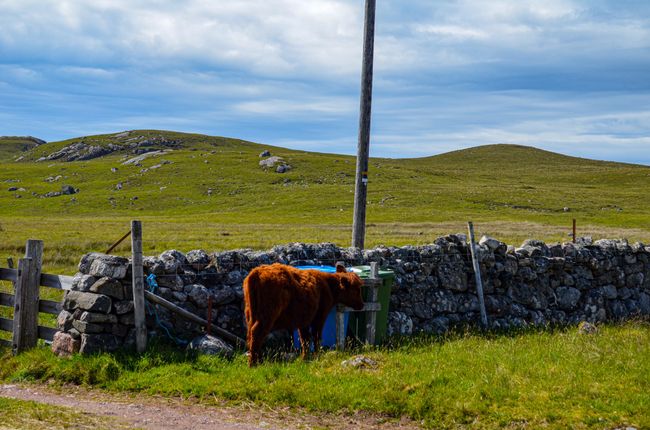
(534, 379)
(13, 146)
(20, 414)
(510, 192)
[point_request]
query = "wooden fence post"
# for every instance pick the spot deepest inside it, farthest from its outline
(371, 325)
(574, 231)
(25, 330)
(138, 287)
(477, 274)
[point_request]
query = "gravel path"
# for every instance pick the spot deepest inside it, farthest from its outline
(157, 413)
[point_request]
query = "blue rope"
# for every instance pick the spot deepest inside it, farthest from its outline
(151, 310)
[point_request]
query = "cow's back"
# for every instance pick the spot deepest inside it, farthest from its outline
(281, 296)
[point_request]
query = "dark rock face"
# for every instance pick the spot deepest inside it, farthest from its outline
(95, 343)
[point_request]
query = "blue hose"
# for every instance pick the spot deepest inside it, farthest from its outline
(151, 310)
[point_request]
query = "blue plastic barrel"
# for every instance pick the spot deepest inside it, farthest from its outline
(329, 329)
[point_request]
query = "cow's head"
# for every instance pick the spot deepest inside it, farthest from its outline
(350, 289)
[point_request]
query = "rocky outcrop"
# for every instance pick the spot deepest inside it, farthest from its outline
(122, 142)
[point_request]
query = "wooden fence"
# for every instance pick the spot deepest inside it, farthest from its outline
(26, 302)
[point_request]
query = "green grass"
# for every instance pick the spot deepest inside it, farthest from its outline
(536, 379)
(510, 192)
(21, 414)
(13, 146)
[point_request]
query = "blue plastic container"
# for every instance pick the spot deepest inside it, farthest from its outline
(329, 329)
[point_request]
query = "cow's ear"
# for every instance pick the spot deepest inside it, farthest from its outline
(340, 268)
(345, 282)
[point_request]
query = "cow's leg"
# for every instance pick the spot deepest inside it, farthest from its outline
(317, 331)
(305, 340)
(257, 334)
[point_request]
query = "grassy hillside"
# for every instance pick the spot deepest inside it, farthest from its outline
(14, 146)
(210, 192)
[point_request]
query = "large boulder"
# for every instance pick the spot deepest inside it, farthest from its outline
(211, 345)
(64, 344)
(95, 343)
(109, 287)
(567, 297)
(100, 265)
(173, 260)
(87, 301)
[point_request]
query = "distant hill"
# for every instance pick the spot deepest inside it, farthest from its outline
(11, 147)
(199, 174)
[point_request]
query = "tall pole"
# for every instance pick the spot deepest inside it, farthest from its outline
(361, 184)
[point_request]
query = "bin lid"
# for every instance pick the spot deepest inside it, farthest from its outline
(326, 269)
(364, 272)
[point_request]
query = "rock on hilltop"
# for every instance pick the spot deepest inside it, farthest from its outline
(127, 141)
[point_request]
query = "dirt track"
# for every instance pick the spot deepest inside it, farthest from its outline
(162, 413)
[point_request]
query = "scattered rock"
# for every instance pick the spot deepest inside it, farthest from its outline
(587, 328)
(69, 189)
(271, 161)
(265, 153)
(64, 344)
(211, 345)
(360, 362)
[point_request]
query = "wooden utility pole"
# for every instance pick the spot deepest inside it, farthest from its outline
(361, 184)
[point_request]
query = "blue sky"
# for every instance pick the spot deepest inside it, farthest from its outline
(564, 75)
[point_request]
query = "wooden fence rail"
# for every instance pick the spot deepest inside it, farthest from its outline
(26, 302)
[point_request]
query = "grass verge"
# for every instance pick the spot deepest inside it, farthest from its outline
(551, 379)
(21, 414)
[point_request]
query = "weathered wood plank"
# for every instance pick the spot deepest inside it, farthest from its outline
(5, 343)
(194, 318)
(6, 299)
(25, 309)
(46, 333)
(138, 287)
(8, 274)
(49, 307)
(61, 282)
(27, 298)
(6, 324)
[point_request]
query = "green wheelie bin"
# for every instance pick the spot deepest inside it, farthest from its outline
(357, 324)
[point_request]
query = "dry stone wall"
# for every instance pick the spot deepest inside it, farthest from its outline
(434, 289)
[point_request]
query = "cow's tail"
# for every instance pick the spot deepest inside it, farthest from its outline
(251, 295)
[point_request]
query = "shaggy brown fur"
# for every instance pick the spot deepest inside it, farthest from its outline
(283, 297)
